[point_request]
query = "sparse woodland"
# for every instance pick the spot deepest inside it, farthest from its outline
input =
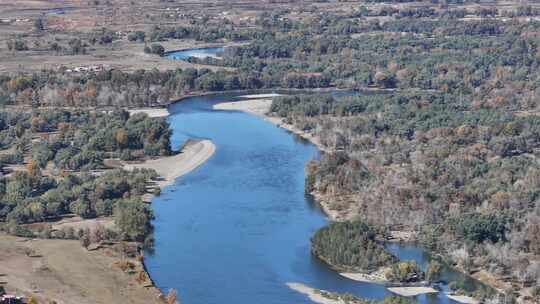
(443, 138)
(468, 180)
(63, 150)
(450, 151)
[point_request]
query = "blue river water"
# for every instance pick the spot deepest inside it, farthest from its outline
(200, 53)
(237, 229)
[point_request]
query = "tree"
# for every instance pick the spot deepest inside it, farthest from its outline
(41, 154)
(157, 49)
(18, 188)
(121, 138)
(81, 207)
(39, 24)
(433, 270)
(85, 240)
(34, 173)
(32, 300)
(533, 233)
(350, 246)
(17, 45)
(405, 271)
(137, 36)
(480, 227)
(133, 218)
(385, 80)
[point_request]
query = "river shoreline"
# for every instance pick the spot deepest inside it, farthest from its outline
(169, 168)
(313, 294)
(206, 46)
(192, 155)
(257, 103)
(64, 271)
(249, 92)
(260, 107)
(151, 112)
(374, 277)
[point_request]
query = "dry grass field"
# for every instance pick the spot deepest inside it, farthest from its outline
(66, 19)
(64, 272)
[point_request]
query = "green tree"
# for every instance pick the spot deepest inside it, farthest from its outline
(133, 218)
(405, 271)
(350, 246)
(433, 270)
(39, 24)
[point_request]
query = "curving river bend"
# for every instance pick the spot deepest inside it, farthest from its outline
(237, 229)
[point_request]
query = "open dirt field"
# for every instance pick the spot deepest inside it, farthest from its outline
(78, 223)
(65, 272)
(124, 55)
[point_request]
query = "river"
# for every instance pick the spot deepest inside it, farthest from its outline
(200, 53)
(237, 229)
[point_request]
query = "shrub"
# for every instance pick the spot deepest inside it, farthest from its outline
(405, 271)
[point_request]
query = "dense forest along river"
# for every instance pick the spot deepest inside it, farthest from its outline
(237, 229)
(198, 53)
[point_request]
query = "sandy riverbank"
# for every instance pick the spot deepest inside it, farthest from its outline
(204, 55)
(313, 294)
(412, 291)
(259, 96)
(463, 299)
(374, 277)
(64, 272)
(259, 105)
(194, 154)
(317, 296)
(151, 112)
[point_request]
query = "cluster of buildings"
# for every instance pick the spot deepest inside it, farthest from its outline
(11, 299)
(14, 20)
(90, 68)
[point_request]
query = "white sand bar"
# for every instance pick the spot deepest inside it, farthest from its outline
(254, 106)
(313, 294)
(204, 55)
(412, 291)
(375, 277)
(463, 299)
(169, 168)
(261, 107)
(151, 112)
(256, 96)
